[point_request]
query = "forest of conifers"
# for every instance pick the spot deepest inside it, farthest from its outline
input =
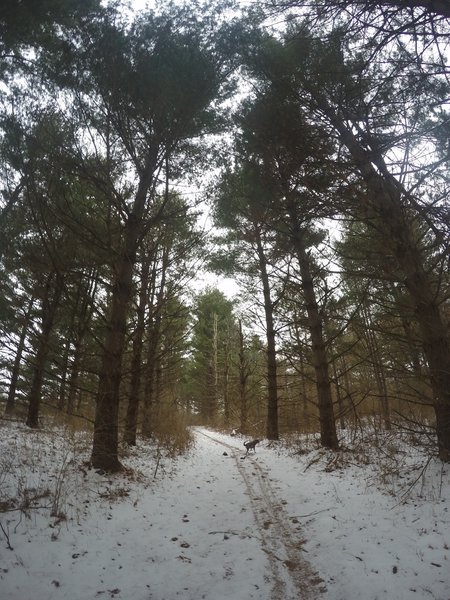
(315, 134)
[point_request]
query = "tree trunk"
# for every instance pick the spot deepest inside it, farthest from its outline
(64, 370)
(339, 396)
(154, 335)
(106, 425)
(73, 379)
(105, 443)
(243, 376)
(305, 418)
(384, 204)
(214, 384)
(152, 379)
(272, 386)
(136, 362)
(84, 318)
(226, 384)
(11, 400)
(149, 386)
(71, 339)
(328, 435)
(50, 304)
(425, 297)
(377, 365)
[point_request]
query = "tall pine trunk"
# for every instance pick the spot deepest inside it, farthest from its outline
(153, 343)
(11, 399)
(243, 376)
(328, 435)
(148, 420)
(136, 361)
(50, 302)
(272, 384)
(377, 364)
(84, 319)
(106, 425)
(226, 383)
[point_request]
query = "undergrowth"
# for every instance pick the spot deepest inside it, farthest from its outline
(46, 473)
(394, 461)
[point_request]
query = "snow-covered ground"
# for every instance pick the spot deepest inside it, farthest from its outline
(274, 526)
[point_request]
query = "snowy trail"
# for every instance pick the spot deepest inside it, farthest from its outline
(212, 528)
(291, 575)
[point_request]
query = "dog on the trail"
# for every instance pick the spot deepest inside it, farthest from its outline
(251, 445)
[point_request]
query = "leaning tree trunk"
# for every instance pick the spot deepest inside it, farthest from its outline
(328, 435)
(385, 204)
(272, 387)
(436, 348)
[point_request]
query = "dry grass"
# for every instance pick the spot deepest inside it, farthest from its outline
(39, 468)
(171, 432)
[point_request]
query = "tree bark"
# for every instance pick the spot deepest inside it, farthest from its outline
(136, 362)
(340, 401)
(150, 376)
(74, 375)
(272, 384)
(328, 435)
(11, 399)
(377, 364)
(226, 383)
(214, 384)
(106, 435)
(154, 335)
(84, 318)
(243, 376)
(50, 302)
(65, 368)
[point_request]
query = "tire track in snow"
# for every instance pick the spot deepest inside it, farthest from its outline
(292, 576)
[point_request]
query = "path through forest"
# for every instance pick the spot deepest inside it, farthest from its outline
(210, 525)
(290, 574)
(206, 526)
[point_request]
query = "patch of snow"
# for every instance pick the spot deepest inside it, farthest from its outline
(213, 525)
